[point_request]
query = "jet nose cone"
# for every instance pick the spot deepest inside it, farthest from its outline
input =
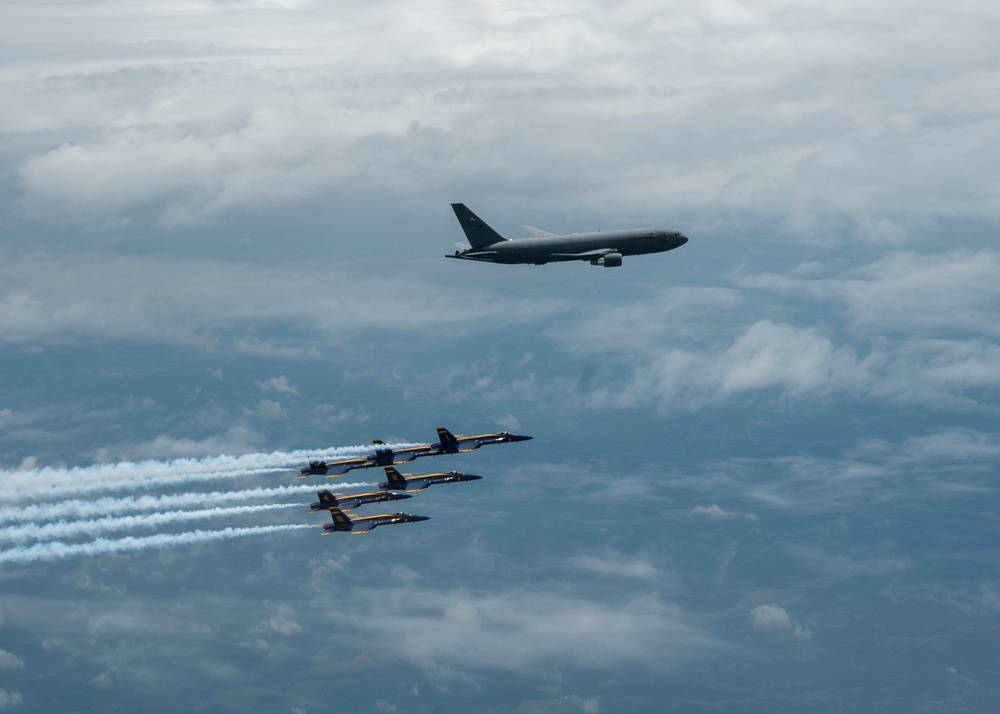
(421, 518)
(401, 496)
(681, 239)
(472, 477)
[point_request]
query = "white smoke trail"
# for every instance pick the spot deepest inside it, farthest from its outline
(57, 550)
(72, 529)
(68, 506)
(38, 484)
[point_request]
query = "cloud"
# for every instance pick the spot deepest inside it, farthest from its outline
(279, 384)
(774, 618)
(757, 110)
(615, 565)
(57, 298)
(777, 355)
(770, 617)
(713, 512)
(270, 409)
(934, 293)
(284, 622)
(10, 661)
(793, 361)
(519, 631)
(902, 329)
(9, 700)
(944, 463)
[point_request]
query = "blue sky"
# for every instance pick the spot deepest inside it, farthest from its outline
(763, 468)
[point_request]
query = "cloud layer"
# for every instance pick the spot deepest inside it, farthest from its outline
(827, 120)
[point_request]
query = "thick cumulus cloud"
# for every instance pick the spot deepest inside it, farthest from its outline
(903, 328)
(773, 355)
(792, 361)
(825, 119)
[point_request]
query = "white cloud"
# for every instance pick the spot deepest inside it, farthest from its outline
(284, 622)
(59, 298)
(903, 328)
(270, 409)
(188, 113)
(774, 618)
(713, 512)
(616, 565)
(795, 361)
(279, 384)
(944, 461)
(944, 292)
(9, 700)
(778, 355)
(10, 661)
(236, 439)
(770, 617)
(519, 631)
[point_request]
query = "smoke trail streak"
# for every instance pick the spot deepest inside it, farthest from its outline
(37, 484)
(71, 529)
(57, 550)
(68, 506)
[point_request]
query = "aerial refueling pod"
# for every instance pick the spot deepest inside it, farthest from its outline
(611, 260)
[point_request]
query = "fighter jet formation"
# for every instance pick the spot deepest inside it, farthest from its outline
(397, 486)
(600, 248)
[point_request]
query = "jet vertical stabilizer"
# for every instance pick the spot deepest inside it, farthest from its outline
(449, 444)
(476, 230)
(395, 479)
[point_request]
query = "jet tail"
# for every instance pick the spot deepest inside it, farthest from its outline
(476, 230)
(447, 439)
(395, 479)
(340, 521)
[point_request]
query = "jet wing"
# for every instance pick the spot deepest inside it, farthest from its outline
(586, 255)
(536, 232)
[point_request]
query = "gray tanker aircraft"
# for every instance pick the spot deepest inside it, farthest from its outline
(600, 248)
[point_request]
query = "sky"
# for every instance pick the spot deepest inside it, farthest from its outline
(764, 465)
